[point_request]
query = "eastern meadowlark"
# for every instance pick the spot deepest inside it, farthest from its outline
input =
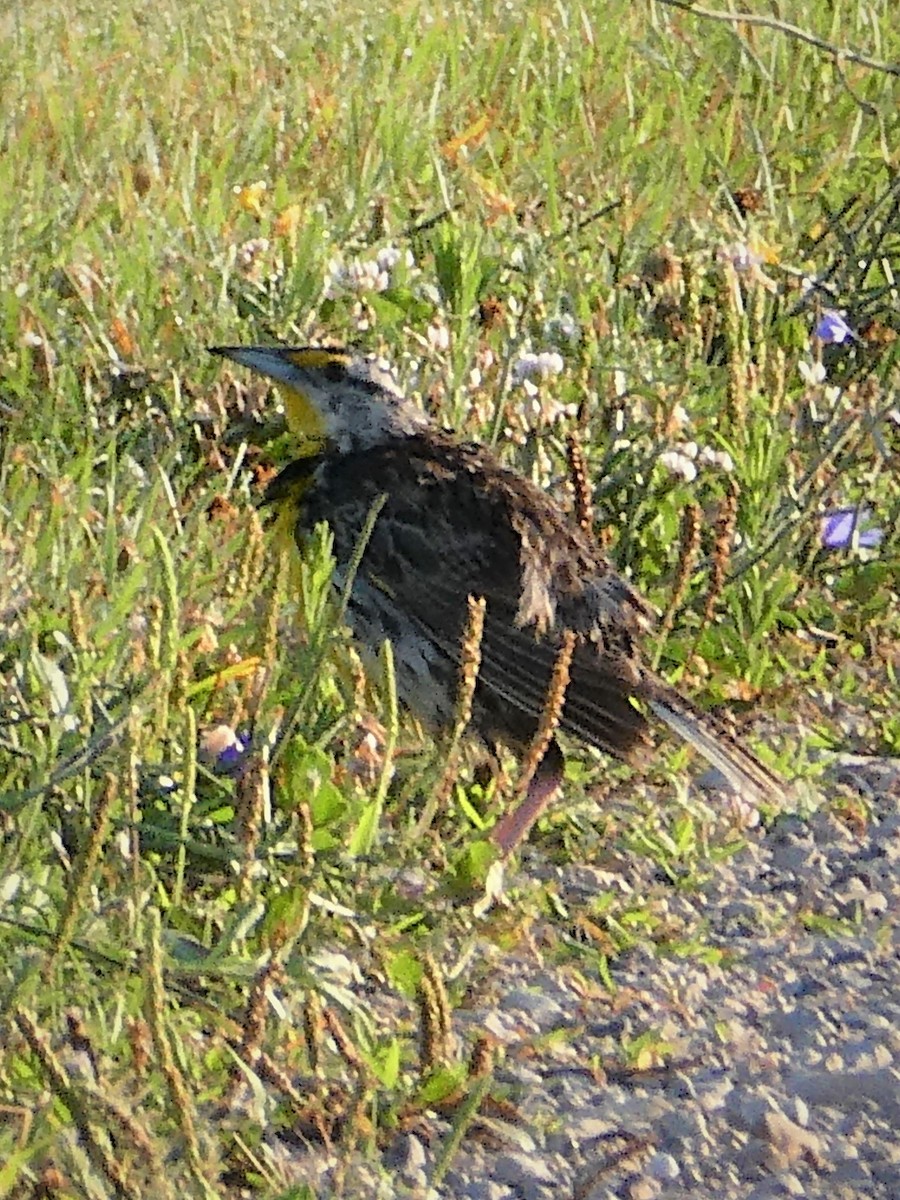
(455, 524)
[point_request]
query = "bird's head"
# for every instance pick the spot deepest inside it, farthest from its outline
(333, 400)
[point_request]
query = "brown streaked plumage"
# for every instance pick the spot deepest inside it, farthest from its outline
(455, 524)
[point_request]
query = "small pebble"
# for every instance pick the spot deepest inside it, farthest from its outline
(663, 1167)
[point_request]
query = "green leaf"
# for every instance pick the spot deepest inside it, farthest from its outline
(385, 1063)
(404, 970)
(443, 1083)
(471, 868)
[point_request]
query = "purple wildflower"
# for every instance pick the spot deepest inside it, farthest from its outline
(832, 329)
(231, 760)
(844, 527)
(224, 750)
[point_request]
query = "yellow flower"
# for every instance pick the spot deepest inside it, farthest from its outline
(250, 198)
(288, 222)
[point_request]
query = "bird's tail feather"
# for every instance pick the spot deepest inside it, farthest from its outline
(743, 770)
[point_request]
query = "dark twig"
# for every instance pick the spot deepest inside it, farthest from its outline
(838, 53)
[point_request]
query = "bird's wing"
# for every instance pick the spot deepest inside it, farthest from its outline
(435, 545)
(447, 532)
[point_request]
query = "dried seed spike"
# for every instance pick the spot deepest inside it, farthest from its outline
(121, 1119)
(270, 1072)
(688, 550)
(584, 510)
(313, 1025)
(775, 380)
(345, 1046)
(251, 796)
(83, 872)
(358, 1124)
(552, 711)
(246, 578)
(481, 1060)
(582, 415)
(725, 524)
(694, 343)
(758, 319)
(276, 606)
(434, 974)
(737, 341)
(154, 632)
(429, 1047)
(358, 683)
(434, 1018)
(470, 664)
(139, 1040)
(379, 219)
(107, 1111)
(253, 1027)
(535, 790)
(76, 621)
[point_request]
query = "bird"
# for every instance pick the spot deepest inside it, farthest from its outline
(455, 525)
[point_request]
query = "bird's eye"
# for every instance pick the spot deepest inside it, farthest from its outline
(334, 371)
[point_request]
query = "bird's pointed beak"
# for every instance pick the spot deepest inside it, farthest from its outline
(276, 362)
(288, 367)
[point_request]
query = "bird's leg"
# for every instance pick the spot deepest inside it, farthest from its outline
(512, 829)
(542, 768)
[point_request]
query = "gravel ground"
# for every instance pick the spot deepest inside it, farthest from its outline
(782, 1074)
